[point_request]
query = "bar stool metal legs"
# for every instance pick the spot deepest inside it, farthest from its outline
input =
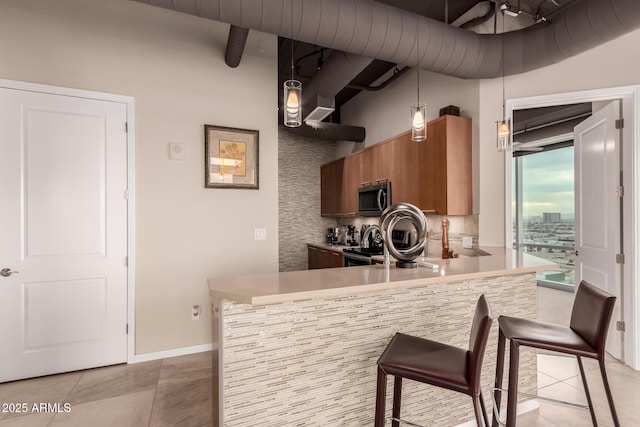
(497, 393)
(585, 337)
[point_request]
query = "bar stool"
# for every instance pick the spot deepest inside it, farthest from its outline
(586, 336)
(437, 364)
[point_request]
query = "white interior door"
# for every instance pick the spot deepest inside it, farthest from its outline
(63, 222)
(597, 222)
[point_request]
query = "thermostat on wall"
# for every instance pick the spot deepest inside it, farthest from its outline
(176, 151)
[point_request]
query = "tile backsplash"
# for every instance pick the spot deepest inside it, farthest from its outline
(459, 227)
(299, 220)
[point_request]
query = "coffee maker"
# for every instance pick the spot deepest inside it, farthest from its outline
(333, 235)
(350, 236)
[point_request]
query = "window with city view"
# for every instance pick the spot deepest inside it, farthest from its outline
(544, 210)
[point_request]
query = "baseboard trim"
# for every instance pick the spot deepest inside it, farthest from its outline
(526, 406)
(146, 357)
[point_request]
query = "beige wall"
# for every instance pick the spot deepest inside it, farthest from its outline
(386, 113)
(612, 64)
(173, 65)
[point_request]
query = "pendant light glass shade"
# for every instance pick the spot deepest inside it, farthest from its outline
(503, 128)
(292, 110)
(418, 124)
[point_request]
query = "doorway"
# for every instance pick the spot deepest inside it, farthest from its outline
(543, 209)
(64, 179)
(629, 295)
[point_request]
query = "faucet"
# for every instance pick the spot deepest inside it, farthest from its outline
(367, 234)
(365, 238)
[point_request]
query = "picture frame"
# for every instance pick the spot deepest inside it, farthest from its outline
(231, 158)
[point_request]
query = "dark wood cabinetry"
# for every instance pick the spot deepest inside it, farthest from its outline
(446, 167)
(404, 169)
(435, 175)
(331, 181)
(323, 258)
(350, 183)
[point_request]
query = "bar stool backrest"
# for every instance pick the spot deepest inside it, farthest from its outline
(591, 315)
(480, 328)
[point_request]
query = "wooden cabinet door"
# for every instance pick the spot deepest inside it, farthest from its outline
(334, 259)
(350, 183)
(459, 166)
(405, 170)
(323, 258)
(313, 258)
(433, 169)
(445, 167)
(331, 176)
(376, 165)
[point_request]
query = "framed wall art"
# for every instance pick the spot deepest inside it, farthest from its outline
(231, 157)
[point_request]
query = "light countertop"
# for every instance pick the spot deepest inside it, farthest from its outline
(336, 247)
(273, 288)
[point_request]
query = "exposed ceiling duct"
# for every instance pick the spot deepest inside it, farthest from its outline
(331, 131)
(335, 74)
(375, 30)
(235, 45)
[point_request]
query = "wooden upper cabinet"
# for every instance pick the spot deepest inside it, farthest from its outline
(331, 178)
(405, 170)
(375, 163)
(351, 179)
(446, 168)
(434, 175)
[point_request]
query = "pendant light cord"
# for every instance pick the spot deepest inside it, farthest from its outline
(504, 101)
(292, 64)
(418, 55)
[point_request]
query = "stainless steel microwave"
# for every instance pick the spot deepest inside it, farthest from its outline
(374, 199)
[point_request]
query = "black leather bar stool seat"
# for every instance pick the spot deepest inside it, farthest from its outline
(437, 364)
(586, 336)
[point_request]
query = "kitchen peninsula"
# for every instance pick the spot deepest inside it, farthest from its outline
(300, 348)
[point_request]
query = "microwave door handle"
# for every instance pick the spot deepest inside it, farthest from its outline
(380, 196)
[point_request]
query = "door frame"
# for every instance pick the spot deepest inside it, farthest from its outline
(630, 97)
(129, 102)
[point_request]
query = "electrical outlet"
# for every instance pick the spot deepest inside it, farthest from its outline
(467, 242)
(195, 312)
(259, 234)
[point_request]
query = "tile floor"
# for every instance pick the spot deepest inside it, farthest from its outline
(177, 391)
(168, 392)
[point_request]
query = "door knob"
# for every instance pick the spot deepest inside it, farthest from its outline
(6, 272)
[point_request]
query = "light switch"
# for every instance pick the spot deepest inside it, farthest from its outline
(467, 242)
(176, 151)
(259, 234)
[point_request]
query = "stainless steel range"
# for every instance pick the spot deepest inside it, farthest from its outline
(362, 255)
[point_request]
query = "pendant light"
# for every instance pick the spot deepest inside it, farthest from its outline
(292, 96)
(503, 127)
(418, 110)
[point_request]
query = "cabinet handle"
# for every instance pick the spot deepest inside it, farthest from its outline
(335, 253)
(429, 210)
(379, 180)
(351, 214)
(366, 183)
